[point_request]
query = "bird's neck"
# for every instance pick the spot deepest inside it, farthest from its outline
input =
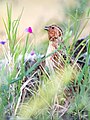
(55, 42)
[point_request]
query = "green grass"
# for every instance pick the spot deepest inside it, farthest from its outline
(51, 90)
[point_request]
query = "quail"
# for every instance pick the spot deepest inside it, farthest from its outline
(55, 35)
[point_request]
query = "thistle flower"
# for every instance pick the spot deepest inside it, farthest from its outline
(29, 30)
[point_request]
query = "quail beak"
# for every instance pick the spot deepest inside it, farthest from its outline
(46, 28)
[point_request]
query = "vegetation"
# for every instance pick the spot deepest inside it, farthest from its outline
(64, 95)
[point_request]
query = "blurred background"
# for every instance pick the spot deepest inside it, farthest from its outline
(36, 13)
(39, 13)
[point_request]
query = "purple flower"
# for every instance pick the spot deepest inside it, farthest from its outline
(2, 42)
(32, 53)
(30, 56)
(29, 30)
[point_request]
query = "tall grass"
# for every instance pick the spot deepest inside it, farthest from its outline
(45, 97)
(9, 65)
(62, 95)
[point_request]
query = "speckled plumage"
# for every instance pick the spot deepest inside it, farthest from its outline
(55, 35)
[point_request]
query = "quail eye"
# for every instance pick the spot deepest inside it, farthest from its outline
(52, 27)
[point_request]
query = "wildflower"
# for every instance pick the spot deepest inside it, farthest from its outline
(32, 53)
(30, 56)
(29, 30)
(2, 42)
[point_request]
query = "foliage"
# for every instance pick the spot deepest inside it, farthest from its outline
(45, 102)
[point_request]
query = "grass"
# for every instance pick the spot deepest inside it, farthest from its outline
(64, 95)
